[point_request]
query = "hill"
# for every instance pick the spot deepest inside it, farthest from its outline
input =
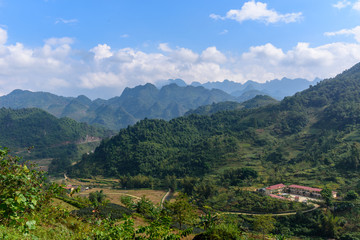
(133, 105)
(257, 101)
(302, 139)
(37, 134)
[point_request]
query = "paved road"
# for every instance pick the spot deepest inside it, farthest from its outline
(271, 214)
(165, 197)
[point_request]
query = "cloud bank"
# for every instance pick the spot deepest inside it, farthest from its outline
(345, 3)
(257, 11)
(104, 72)
(354, 32)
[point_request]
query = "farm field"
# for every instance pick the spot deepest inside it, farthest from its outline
(114, 195)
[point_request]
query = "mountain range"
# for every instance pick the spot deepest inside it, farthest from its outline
(309, 138)
(276, 88)
(134, 104)
(148, 101)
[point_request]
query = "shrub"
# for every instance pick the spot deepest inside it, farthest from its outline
(22, 188)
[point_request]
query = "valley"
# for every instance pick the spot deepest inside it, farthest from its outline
(212, 161)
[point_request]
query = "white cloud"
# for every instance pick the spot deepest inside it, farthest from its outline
(184, 55)
(345, 3)
(353, 31)
(3, 36)
(341, 4)
(66, 21)
(224, 32)
(57, 82)
(269, 52)
(59, 41)
(101, 51)
(301, 61)
(356, 5)
(125, 36)
(211, 54)
(164, 47)
(216, 17)
(104, 72)
(99, 79)
(179, 54)
(258, 11)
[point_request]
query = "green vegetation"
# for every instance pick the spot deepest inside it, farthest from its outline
(257, 101)
(300, 140)
(36, 134)
(309, 139)
(133, 105)
(217, 161)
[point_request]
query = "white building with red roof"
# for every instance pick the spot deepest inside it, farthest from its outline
(275, 188)
(296, 190)
(304, 191)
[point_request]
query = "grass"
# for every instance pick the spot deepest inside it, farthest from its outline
(114, 195)
(63, 205)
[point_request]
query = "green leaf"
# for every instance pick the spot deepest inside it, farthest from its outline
(31, 224)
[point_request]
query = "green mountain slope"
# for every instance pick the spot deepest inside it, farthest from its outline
(133, 105)
(257, 101)
(304, 138)
(49, 136)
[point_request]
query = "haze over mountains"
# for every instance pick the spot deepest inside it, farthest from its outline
(148, 101)
(276, 88)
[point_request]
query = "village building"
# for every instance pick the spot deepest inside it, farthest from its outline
(296, 190)
(304, 191)
(278, 188)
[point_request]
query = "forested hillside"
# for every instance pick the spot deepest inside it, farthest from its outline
(257, 101)
(305, 137)
(37, 134)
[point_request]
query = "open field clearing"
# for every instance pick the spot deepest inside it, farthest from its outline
(114, 195)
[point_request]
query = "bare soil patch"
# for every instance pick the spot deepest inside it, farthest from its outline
(114, 195)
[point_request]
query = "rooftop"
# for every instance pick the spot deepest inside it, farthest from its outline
(305, 188)
(277, 186)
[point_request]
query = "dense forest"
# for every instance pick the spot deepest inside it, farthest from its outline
(36, 134)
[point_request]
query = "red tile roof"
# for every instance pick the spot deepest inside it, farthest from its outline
(277, 186)
(305, 188)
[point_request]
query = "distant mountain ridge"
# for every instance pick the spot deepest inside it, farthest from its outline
(276, 88)
(172, 100)
(134, 104)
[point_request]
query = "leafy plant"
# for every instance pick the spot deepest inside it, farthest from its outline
(22, 188)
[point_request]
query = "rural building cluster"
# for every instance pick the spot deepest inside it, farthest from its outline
(278, 190)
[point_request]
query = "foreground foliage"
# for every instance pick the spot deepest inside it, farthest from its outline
(23, 189)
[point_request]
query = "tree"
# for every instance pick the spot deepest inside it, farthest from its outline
(23, 189)
(351, 195)
(264, 224)
(208, 221)
(329, 224)
(97, 198)
(326, 194)
(182, 211)
(144, 206)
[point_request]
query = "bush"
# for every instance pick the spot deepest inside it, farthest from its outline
(22, 188)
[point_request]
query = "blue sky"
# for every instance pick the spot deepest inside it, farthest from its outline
(98, 48)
